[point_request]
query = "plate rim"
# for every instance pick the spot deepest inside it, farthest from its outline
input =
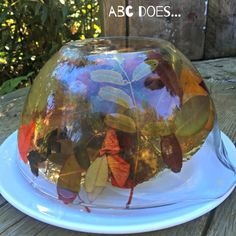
(194, 211)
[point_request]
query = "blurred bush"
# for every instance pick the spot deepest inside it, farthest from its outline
(32, 30)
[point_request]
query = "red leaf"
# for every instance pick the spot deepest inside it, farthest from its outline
(171, 152)
(24, 139)
(169, 78)
(166, 75)
(120, 170)
(126, 141)
(155, 55)
(65, 195)
(153, 82)
(110, 145)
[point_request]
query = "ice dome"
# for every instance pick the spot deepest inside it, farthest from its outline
(116, 122)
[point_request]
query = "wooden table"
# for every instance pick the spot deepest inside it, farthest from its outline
(220, 76)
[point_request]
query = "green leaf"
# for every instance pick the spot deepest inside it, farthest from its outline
(96, 175)
(37, 8)
(153, 63)
(120, 122)
(10, 85)
(157, 129)
(116, 95)
(44, 14)
(193, 116)
(107, 76)
(64, 12)
(4, 15)
(144, 69)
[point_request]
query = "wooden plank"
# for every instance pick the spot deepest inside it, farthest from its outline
(2, 200)
(26, 226)
(56, 231)
(11, 106)
(9, 216)
(186, 33)
(113, 26)
(224, 220)
(221, 29)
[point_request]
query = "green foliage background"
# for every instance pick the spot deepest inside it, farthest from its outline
(32, 30)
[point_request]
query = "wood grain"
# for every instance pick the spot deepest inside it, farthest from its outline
(9, 217)
(186, 33)
(11, 106)
(221, 29)
(113, 26)
(27, 226)
(224, 220)
(2, 201)
(220, 76)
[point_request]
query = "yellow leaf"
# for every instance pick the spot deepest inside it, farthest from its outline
(97, 175)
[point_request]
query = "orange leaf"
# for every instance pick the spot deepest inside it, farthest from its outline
(128, 184)
(24, 139)
(190, 83)
(120, 170)
(110, 144)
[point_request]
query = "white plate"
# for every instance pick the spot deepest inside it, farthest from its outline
(20, 194)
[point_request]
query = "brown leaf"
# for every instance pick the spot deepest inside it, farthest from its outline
(82, 156)
(171, 152)
(66, 147)
(70, 175)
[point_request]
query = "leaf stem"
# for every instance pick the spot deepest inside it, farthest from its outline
(138, 133)
(85, 207)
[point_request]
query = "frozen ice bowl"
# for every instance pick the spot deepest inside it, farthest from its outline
(122, 122)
